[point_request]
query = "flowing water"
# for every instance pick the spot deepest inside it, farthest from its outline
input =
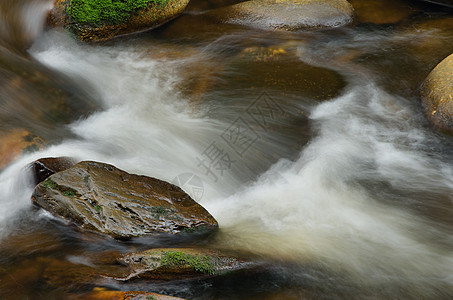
(328, 171)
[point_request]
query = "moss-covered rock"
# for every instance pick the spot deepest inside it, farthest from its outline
(99, 197)
(437, 95)
(99, 20)
(182, 263)
(288, 14)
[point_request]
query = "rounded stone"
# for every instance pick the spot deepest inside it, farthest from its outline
(99, 197)
(437, 95)
(288, 14)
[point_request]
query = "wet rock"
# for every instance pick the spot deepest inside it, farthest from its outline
(437, 95)
(99, 197)
(288, 14)
(182, 263)
(53, 273)
(102, 294)
(279, 70)
(381, 11)
(45, 167)
(201, 5)
(92, 20)
(15, 142)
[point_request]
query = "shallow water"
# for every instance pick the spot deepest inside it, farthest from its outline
(329, 171)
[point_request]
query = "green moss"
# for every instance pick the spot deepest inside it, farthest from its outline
(86, 178)
(201, 264)
(49, 183)
(159, 211)
(151, 298)
(69, 193)
(98, 12)
(98, 209)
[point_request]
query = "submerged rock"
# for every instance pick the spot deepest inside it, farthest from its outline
(437, 95)
(288, 14)
(102, 294)
(99, 197)
(99, 20)
(381, 11)
(14, 142)
(181, 263)
(280, 70)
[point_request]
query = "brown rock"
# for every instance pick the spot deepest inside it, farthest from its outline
(181, 263)
(102, 294)
(97, 196)
(45, 167)
(201, 5)
(288, 14)
(437, 95)
(89, 27)
(279, 69)
(381, 11)
(14, 142)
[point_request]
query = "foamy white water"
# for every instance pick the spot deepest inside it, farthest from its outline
(315, 208)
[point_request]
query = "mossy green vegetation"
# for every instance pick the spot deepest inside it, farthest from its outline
(160, 211)
(86, 178)
(98, 12)
(49, 183)
(201, 264)
(98, 208)
(69, 193)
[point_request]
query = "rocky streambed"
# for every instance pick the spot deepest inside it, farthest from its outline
(307, 142)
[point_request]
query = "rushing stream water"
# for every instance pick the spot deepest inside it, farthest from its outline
(341, 184)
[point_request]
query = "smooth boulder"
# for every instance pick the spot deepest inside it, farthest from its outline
(98, 20)
(99, 197)
(437, 95)
(288, 14)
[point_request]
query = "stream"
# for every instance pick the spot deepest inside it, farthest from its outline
(310, 148)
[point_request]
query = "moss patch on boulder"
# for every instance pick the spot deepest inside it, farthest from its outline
(96, 12)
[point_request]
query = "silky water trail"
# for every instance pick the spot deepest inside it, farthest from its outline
(353, 215)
